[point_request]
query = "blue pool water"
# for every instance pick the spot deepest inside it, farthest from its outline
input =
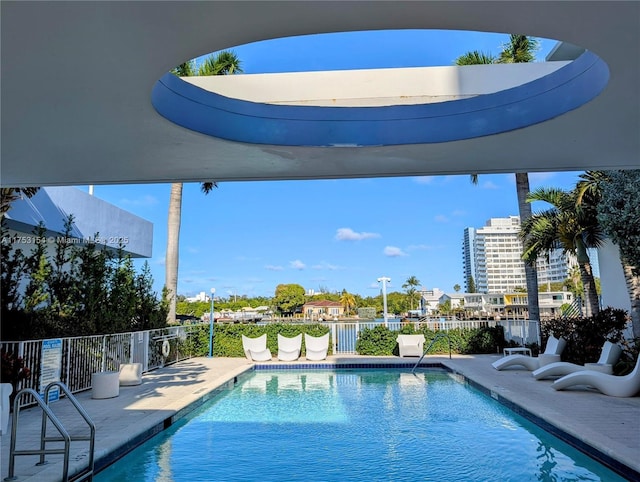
(364, 425)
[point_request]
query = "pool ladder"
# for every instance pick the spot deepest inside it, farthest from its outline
(435, 338)
(47, 414)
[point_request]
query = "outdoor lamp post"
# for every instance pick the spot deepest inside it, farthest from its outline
(384, 297)
(213, 291)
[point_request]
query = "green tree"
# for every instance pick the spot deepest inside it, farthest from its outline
(568, 226)
(519, 49)
(347, 301)
(475, 58)
(288, 298)
(456, 287)
(223, 63)
(445, 308)
(10, 194)
(186, 69)
(410, 287)
(471, 285)
(619, 216)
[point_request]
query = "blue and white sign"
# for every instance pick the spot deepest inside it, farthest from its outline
(51, 366)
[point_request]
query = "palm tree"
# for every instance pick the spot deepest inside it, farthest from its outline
(475, 58)
(566, 225)
(10, 194)
(347, 300)
(410, 287)
(225, 62)
(456, 287)
(605, 189)
(519, 49)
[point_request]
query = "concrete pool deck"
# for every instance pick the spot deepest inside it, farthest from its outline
(607, 425)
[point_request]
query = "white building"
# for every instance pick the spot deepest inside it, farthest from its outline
(492, 254)
(202, 296)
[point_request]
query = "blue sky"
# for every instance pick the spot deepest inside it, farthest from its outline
(245, 238)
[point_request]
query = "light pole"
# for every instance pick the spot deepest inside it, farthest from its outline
(213, 292)
(384, 297)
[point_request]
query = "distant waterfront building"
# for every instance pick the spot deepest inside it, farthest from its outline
(202, 296)
(492, 254)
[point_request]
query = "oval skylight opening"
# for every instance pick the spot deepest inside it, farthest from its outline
(397, 101)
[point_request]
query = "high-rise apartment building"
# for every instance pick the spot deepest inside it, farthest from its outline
(492, 255)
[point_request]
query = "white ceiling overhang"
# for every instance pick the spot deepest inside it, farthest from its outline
(78, 80)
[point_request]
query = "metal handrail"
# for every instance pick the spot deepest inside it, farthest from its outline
(435, 338)
(14, 430)
(91, 438)
(47, 414)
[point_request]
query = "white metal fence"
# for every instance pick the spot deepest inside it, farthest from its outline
(82, 356)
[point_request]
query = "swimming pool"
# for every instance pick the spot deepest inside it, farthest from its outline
(354, 425)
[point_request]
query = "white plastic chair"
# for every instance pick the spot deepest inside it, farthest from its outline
(316, 346)
(255, 349)
(551, 354)
(614, 386)
(130, 374)
(410, 345)
(608, 357)
(289, 348)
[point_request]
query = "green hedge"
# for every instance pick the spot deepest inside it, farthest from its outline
(377, 341)
(380, 341)
(228, 338)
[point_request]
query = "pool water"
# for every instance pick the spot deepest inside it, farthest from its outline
(363, 425)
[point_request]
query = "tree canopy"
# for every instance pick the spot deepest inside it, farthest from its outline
(288, 297)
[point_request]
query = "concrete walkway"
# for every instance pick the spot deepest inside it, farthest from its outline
(610, 427)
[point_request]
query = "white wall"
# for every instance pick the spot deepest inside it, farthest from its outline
(614, 288)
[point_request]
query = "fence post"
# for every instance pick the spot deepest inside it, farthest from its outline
(104, 353)
(131, 346)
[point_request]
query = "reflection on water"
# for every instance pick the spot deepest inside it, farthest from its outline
(373, 425)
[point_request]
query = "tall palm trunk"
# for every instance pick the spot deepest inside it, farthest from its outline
(530, 271)
(633, 286)
(173, 240)
(591, 303)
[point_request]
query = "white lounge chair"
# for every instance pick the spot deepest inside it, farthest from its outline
(316, 347)
(6, 389)
(614, 386)
(608, 357)
(255, 349)
(130, 374)
(410, 345)
(551, 354)
(289, 348)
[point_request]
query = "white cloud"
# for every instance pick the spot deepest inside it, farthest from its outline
(348, 234)
(393, 252)
(421, 247)
(441, 218)
(489, 185)
(271, 267)
(458, 212)
(146, 200)
(424, 179)
(160, 261)
(325, 265)
(297, 264)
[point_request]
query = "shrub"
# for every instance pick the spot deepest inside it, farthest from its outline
(585, 336)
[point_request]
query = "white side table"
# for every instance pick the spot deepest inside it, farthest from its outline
(105, 384)
(518, 349)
